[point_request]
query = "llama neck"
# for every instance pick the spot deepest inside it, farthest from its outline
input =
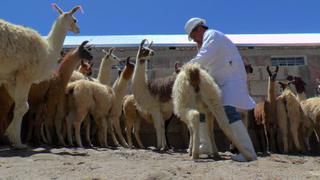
(55, 39)
(66, 69)
(120, 87)
(139, 79)
(301, 96)
(271, 91)
(104, 72)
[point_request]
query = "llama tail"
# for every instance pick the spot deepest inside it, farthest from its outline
(193, 73)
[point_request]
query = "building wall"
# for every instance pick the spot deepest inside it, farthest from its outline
(162, 64)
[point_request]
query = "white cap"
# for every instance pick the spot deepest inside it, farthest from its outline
(191, 24)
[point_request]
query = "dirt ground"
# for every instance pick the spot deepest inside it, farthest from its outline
(121, 163)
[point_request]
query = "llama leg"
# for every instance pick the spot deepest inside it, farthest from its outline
(87, 126)
(160, 131)
(81, 114)
(137, 126)
(116, 123)
(294, 132)
(113, 134)
(30, 123)
(193, 117)
(210, 128)
(266, 144)
(190, 140)
(283, 124)
(19, 93)
(102, 131)
(306, 138)
(48, 123)
(129, 128)
(59, 122)
(70, 118)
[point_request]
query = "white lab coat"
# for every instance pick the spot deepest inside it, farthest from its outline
(222, 60)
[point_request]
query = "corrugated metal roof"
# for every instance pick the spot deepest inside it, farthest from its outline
(182, 40)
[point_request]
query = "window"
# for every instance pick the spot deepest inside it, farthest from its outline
(288, 61)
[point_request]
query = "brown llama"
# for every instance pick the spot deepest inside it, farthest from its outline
(6, 104)
(265, 116)
(53, 111)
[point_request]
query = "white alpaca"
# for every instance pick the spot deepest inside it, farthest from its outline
(195, 91)
(84, 71)
(309, 120)
(98, 100)
(28, 58)
(153, 97)
(294, 114)
(108, 61)
(311, 110)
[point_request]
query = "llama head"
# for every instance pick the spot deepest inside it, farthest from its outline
(144, 51)
(273, 75)
(86, 68)
(109, 57)
(284, 85)
(83, 51)
(318, 86)
(128, 69)
(177, 68)
(298, 83)
(67, 20)
(248, 68)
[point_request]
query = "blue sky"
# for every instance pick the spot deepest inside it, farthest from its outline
(137, 17)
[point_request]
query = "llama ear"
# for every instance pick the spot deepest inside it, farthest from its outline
(128, 60)
(82, 46)
(268, 70)
(142, 42)
(289, 78)
(177, 67)
(111, 50)
(56, 7)
(75, 9)
(150, 44)
(277, 69)
(104, 51)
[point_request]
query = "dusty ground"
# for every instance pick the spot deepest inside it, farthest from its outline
(71, 163)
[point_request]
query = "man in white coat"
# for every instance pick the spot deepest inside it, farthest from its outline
(221, 58)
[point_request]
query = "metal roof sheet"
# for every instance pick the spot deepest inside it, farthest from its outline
(182, 40)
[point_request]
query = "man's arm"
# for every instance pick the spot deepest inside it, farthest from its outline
(207, 51)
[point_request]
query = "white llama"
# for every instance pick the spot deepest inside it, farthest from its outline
(27, 58)
(195, 91)
(153, 97)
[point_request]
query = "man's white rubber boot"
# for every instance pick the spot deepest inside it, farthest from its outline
(203, 133)
(242, 136)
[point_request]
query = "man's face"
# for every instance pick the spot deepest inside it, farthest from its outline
(197, 34)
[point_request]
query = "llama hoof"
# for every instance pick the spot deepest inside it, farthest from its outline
(90, 145)
(195, 156)
(216, 156)
(20, 146)
(62, 144)
(241, 158)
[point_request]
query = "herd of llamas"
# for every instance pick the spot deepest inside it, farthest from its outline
(50, 97)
